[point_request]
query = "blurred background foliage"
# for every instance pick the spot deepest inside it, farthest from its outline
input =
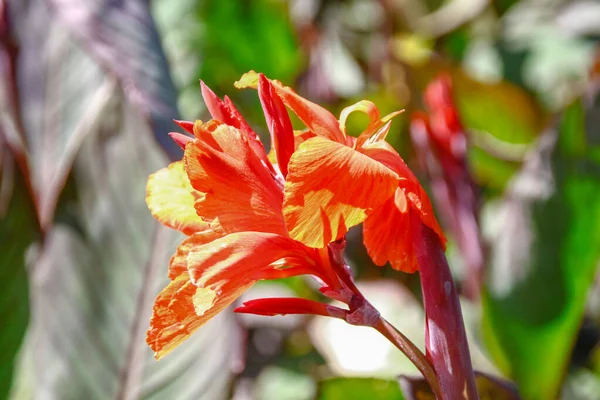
(88, 92)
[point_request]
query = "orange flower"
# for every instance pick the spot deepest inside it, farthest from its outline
(227, 197)
(337, 181)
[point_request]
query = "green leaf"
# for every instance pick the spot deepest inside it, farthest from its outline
(359, 389)
(546, 257)
(18, 229)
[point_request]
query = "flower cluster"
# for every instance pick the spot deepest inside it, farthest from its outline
(250, 215)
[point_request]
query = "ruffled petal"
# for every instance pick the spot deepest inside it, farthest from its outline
(316, 118)
(180, 309)
(330, 187)
(170, 198)
(241, 194)
(415, 194)
(218, 273)
(178, 263)
(225, 111)
(245, 257)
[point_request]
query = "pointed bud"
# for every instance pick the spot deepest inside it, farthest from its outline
(188, 126)
(215, 106)
(180, 139)
(278, 122)
(289, 305)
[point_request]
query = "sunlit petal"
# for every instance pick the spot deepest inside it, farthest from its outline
(387, 235)
(415, 194)
(240, 192)
(171, 198)
(226, 112)
(180, 309)
(179, 263)
(331, 187)
(243, 257)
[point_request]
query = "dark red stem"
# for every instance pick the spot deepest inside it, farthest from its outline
(445, 336)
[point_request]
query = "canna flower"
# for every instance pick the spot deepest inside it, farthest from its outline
(227, 197)
(336, 181)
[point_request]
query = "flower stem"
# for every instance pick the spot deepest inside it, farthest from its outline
(412, 352)
(367, 315)
(445, 336)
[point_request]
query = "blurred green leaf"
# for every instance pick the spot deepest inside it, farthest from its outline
(359, 389)
(240, 36)
(491, 171)
(18, 228)
(283, 384)
(502, 119)
(546, 256)
(505, 111)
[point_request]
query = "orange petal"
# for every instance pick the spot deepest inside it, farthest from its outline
(171, 198)
(179, 263)
(225, 111)
(387, 235)
(331, 187)
(242, 258)
(241, 194)
(180, 309)
(219, 272)
(315, 117)
(416, 196)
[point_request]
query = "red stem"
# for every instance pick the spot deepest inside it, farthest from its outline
(445, 336)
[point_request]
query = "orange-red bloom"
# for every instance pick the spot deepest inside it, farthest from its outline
(250, 216)
(336, 181)
(227, 197)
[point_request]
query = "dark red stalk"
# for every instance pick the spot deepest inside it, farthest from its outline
(445, 336)
(441, 144)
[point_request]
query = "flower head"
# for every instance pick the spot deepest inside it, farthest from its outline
(252, 216)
